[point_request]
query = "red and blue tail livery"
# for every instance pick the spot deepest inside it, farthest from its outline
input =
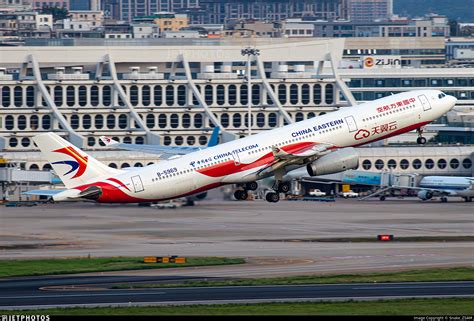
(79, 163)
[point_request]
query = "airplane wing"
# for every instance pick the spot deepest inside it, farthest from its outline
(433, 191)
(299, 152)
(290, 156)
(164, 152)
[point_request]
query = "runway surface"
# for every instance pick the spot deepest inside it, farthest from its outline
(274, 239)
(254, 230)
(67, 291)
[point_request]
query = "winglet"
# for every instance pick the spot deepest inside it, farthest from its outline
(108, 141)
(214, 137)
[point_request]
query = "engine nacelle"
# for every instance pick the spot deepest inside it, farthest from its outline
(425, 195)
(335, 162)
(197, 197)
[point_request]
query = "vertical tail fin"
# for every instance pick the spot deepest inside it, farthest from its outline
(214, 140)
(72, 165)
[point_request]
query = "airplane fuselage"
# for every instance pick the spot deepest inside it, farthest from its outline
(238, 161)
(455, 186)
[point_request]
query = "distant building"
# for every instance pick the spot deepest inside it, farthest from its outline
(85, 5)
(296, 29)
(182, 34)
(167, 21)
(26, 24)
(118, 36)
(39, 4)
(131, 9)
(460, 49)
(80, 4)
(431, 26)
(171, 22)
(84, 20)
(8, 24)
(172, 5)
(254, 28)
(209, 31)
(117, 30)
(15, 4)
(397, 52)
(369, 10)
(34, 25)
(145, 30)
(220, 11)
(44, 20)
(466, 29)
(111, 8)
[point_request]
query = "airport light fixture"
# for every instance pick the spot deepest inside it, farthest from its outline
(249, 52)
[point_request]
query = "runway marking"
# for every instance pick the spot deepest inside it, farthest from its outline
(78, 295)
(417, 287)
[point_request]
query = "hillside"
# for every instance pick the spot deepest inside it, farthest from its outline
(455, 9)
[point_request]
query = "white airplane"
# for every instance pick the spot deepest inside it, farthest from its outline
(445, 186)
(323, 144)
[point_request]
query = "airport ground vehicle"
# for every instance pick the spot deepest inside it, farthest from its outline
(349, 194)
(317, 192)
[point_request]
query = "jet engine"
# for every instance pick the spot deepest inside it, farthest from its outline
(425, 195)
(335, 162)
(197, 197)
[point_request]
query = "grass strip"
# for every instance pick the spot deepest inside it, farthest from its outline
(448, 306)
(420, 275)
(13, 268)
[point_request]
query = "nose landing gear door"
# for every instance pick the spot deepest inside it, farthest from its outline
(137, 184)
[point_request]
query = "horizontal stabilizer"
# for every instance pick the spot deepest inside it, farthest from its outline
(43, 192)
(164, 152)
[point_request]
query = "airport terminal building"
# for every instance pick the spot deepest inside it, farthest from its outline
(172, 95)
(173, 92)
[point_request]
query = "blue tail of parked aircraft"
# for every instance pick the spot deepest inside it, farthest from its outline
(214, 140)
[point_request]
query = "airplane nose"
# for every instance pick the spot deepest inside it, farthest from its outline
(452, 101)
(449, 102)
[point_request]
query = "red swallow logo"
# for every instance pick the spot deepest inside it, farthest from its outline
(79, 163)
(361, 134)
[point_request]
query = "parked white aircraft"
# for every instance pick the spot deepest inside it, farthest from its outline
(435, 186)
(444, 186)
(322, 144)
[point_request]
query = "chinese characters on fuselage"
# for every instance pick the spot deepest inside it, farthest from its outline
(398, 104)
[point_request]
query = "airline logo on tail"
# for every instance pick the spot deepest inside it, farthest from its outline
(79, 163)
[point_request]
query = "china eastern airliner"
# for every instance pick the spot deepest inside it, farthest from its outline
(324, 145)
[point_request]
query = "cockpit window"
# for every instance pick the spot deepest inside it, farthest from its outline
(441, 95)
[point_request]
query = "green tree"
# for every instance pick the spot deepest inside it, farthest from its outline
(57, 12)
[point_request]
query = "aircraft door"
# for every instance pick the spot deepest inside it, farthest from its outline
(424, 101)
(351, 124)
(137, 184)
(236, 158)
